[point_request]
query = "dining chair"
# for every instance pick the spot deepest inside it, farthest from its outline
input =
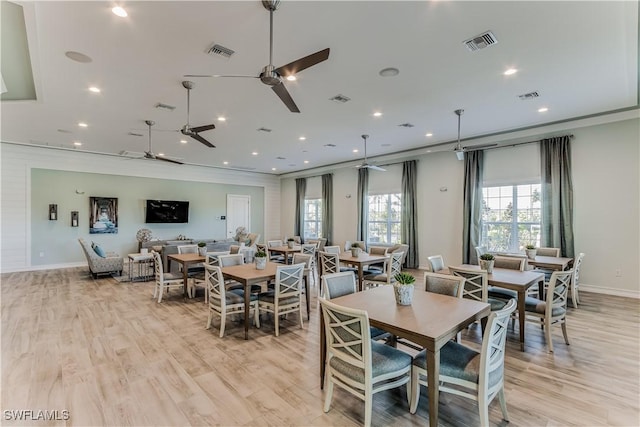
(393, 267)
(443, 284)
(210, 259)
(339, 284)
(465, 372)
(194, 269)
(554, 252)
(480, 250)
(377, 268)
(272, 256)
(286, 297)
(311, 249)
(510, 262)
(165, 281)
(436, 263)
(229, 260)
(476, 286)
(553, 309)
(355, 362)
(332, 249)
(305, 259)
(225, 303)
(575, 297)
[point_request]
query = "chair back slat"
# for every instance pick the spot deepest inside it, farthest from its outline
(443, 284)
(231, 259)
(548, 252)
(436, 262)
(329, 263)
(338, 284)
(476, 283)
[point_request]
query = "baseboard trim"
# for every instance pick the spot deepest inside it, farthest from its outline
(610, 291)
(46, 267)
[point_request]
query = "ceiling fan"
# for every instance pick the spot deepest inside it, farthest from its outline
(150, 155)
(459, 149)
(272, 76)
(195, 131)
(364, 164)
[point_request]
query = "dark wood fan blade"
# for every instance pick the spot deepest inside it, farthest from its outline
(221, 75)
(203, 128)
(283, 94)
(202, 140)
(166, 159)
(303, 63)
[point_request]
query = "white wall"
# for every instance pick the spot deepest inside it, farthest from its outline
(15, 210)
(605, 160)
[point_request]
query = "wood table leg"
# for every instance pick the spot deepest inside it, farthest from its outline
(522, 294)
(360, 276)
(247, 306)
(185, 278)
(433, 374)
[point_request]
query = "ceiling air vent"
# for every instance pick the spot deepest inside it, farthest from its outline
(281, 158)
(218, 50)
(330, 145)
(340, 98)
(481, 41)
(244, 168)
(135, 134)
(405, 125)
(165, 106)
(529, 95)
(263, 129)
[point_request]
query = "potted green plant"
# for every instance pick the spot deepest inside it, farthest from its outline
(291, 242)
(403, 288)
(202, 248)
(531, 251)
(355, 249)
(486, 262)
(261, 260)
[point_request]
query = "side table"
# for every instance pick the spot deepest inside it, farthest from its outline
(140, 267)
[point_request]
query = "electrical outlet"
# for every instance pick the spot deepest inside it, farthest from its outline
(618, 273)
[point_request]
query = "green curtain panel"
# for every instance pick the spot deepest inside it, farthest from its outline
(410, 212)
(301, 189)
(363, 204)
(472, 205)
(327, 207)
(557, 194)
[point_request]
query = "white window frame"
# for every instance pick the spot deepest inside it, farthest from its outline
(317, 220)
(389, 222)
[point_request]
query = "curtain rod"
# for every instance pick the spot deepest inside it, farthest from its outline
(521, 143)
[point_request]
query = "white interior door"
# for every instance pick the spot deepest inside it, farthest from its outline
(238, 213)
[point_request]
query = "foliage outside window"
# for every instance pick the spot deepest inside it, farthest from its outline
(511, 217)
(384, 219)
(312, 218)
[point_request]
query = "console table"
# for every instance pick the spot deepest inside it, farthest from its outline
(140, 267)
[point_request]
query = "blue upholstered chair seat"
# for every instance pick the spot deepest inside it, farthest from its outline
(378, 334)
(384, 359)
(535, 305)
(501, 293)
(456, 360)
(270, 295)
(235, 296)
(496, 304)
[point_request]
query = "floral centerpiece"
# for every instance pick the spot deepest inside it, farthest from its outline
(486, 262)
(142, 236)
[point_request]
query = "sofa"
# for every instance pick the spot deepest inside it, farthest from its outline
(110, 263)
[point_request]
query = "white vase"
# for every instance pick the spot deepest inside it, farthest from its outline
(202, 251)
(531, 253)
(261, 263)
(355, 252)
(290, 244)
(487, 265)
(403, 294)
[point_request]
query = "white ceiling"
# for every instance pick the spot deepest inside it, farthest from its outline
(582, 58)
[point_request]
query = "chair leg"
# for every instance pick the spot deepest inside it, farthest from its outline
(329, 396)
(209, 319)
(574, 296)
(564, 331)
(223, 318)
(368, 408)
(161, 290)
(547, 334)
(483, 408)
(256, 315)
(503, 404)
(276, 319)
(415, 390)
(300, 315)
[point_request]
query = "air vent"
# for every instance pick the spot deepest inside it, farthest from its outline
(165, 106)
(263, 129)
(406, 125)
(135, 134)
(529, 95)
(64, 131)
(330, 145)
(481, 41)
(218, 50)
(340, 98)
(281, 158)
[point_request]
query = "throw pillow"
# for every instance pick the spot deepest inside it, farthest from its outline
(99, 251)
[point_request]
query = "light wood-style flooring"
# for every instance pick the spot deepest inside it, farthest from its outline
(111, 355)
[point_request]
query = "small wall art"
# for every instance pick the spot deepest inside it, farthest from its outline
(53, 212)
(74, 218)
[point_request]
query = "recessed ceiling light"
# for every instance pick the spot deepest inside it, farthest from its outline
(428, 151)
(183, 141)
(77, 56)
(292, 78)
(543, 110)
(510, 71)
(377, 114)
(225, 163)
(119, 11)
(222, 119)
(94, 89)
(77, 143)
(302, 138)
(273, 169)
(161, 154)
(429, 134)
(83, 125)
(255, 153)
(389, 72)
(306, 161)
(355, 150)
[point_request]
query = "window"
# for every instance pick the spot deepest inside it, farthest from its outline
(384, 218)
(312, 218)
(511, 217)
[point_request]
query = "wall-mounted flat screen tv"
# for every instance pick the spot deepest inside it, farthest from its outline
(167, 211)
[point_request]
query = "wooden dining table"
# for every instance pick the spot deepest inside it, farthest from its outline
(550, 262)
(361, 261)
(185, 260)
(285, 250)
(430, 322)
(518, 281)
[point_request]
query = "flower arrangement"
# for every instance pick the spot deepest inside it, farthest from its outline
(143, 235)
(487, 257)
